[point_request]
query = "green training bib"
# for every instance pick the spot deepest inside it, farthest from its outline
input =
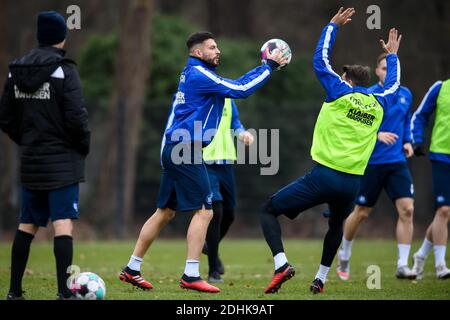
(440, 138)
(346, 132)
(222, 145)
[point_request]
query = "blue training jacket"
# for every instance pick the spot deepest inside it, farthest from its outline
(420, 119)
(396, 119)
(335, 87)
(198, 104)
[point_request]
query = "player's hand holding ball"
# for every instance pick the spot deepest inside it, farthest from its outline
(278, 51)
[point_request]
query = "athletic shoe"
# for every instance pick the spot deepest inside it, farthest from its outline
(215, 277)
(343, 268)
(404, 272)
(442, 272)
(197, 284)
(316, 286)
(279, 278)
(13, 296)
(419, 263)
(135, 278)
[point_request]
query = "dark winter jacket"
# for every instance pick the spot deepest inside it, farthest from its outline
(42, 110)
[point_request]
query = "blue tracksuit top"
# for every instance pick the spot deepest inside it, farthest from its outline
(396, 119)
(420, 119)
(198, 104)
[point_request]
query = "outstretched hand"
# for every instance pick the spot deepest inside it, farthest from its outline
(393, 42)
(343, 16)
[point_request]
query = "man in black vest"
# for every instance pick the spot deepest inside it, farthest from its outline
(42, 110)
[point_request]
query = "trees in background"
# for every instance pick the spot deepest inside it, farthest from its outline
(129, 94)
(118, 165)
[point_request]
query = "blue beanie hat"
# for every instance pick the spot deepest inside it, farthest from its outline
(51, 28)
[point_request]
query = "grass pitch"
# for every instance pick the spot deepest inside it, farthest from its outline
(248, 267)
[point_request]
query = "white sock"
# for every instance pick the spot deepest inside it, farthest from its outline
(192, 268)
(403, 254)
(322, 273)
(280, 260)
(439, 255)
(346, 252)
(425, 248)
(135, 263)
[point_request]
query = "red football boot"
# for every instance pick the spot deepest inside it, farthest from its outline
(136, 280)
(317, 286)
(278, 279)
(197, 284)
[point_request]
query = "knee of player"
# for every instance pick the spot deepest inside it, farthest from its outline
(63, 227)
(443, 212)
(206, 214)
(170, 215)
(268, 208)
(336, 224)
(408, 212)
(28, 228)
(167, 214)
(362, 212)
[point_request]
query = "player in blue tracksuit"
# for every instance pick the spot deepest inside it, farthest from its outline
(436, 100)
(343, 140)
(197, 107)
(219, 157)
(387, 169)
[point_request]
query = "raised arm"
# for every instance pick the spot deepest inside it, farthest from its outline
(330, 80)
(392, 81)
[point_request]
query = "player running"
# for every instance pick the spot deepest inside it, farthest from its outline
(437, 98)
(196, 109)
(344, 138)
(219, 156)
(388, 170)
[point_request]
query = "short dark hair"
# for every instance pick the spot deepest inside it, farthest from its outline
(360, 75)
(199, 37)
(381, 57)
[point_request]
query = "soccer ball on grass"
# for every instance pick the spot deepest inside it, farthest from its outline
(88, 286)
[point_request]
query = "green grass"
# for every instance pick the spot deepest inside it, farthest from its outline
(249, 268)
